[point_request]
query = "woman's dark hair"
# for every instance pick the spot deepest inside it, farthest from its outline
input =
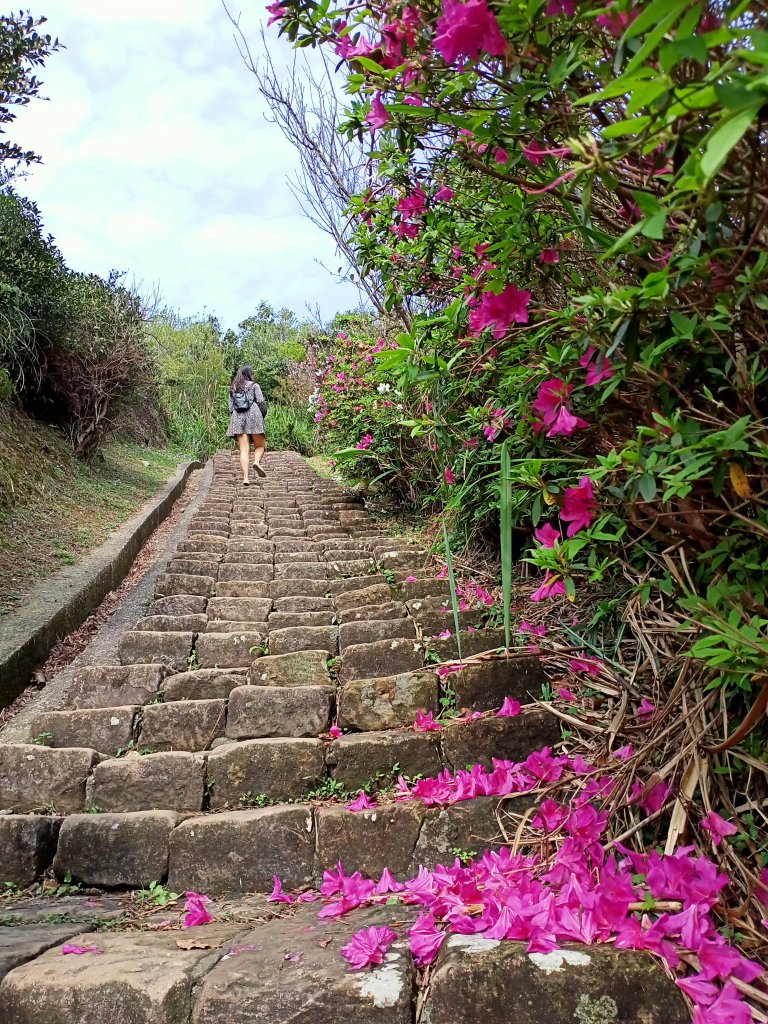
(243, 376)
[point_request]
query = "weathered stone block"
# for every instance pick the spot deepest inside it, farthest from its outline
(313, 983)
(195, 566)
(420, 588)
(303, 668)
(257, 572)
(387, 702)
(297, 588)
(355, 760)
(172, 623)
(182, 725)
(202, 684)
(240, 851)
(369, 595)
(359, 590)
(247, 558)
(145, 647)
(384, 657)
(210, 545)
(368, 841)
(471, 643)
(470, 826)
(249, 529)
(102, 729)
(367, 612)
(297, 605)
(303, 638)
(250, 544)
(27, 846)
(22, 943)
(294, 557)
(172, 781)
(370, 631)
(279, 768)
(466, 743)
(141, 977)
(484, 685)
(180, 604)
(261, 711)
(36, 778)
(115, 849)
(241, 588)
(108, 686)
(478, 979)
(229, 650)
(299, 571)
(240, 609)
(292, 620)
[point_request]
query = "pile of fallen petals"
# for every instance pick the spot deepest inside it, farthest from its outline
(582, 889)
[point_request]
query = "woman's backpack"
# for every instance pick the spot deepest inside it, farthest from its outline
(242, 400)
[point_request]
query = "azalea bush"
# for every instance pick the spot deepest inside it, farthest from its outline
(567, 208)
(571, 200)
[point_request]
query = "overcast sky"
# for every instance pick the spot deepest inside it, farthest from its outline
(158, 160)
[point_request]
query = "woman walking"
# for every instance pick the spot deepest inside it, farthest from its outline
(248, 407)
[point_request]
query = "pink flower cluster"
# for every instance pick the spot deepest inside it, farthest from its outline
(580, 893)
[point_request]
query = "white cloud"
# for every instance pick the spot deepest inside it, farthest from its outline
(158, 160)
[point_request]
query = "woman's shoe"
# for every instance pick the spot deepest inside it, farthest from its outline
(261, 472)
(246, 483)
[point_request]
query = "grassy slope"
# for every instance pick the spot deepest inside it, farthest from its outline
(54, 508)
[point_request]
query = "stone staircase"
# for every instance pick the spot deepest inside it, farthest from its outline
(203, 759)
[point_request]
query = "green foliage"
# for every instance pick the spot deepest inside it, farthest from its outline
(158, 895)
(604, 241)
(22, 50)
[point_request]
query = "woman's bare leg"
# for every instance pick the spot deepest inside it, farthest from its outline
(244, 444)
(260, 445)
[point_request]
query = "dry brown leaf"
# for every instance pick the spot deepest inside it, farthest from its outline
(192, 944)
(739, 480)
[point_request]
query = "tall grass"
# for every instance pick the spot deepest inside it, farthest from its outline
(291, 429)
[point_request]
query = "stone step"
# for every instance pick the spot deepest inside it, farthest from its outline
(369, 631)
(143, 647)
(106, 686)
(256, 712)
(42, 779)
(382, 657)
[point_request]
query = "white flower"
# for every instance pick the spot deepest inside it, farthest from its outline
(384, 388)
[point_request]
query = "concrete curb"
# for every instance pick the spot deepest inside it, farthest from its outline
(63, 602)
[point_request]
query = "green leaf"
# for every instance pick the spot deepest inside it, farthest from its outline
(724, 136)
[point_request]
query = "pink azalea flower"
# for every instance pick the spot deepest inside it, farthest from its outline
(411, 579)
(425, 939)
(646, 708)
(598, 367)
(653, 800)
(70, 948)
(509, 709)
(467, 28)
(501, 156)
(413, 203)
(549, 256)
(564, 7)
(535, 153)
(387, 884)
(616, 22)
(717, 827)
(335, 731)
(368, 947)
(196, 914)
(276, 12)
(277, 895)
(445, 195)
(550, 405)
(728, 1008)
(624, 753)
(446, 670)
(426, 722)
(498, 421)
(377, 116)
(365, 442)
(579, 506)
(547, 535)
(553, 586)
(499, 311)
(584, 664)
(449, 477)
(565, 694)
(526, 627)
(362, 803)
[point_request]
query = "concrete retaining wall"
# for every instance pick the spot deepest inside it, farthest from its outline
(60, 604)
